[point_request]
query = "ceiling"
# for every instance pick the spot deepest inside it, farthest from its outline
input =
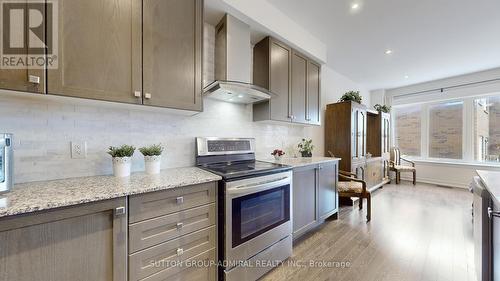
(430, 39)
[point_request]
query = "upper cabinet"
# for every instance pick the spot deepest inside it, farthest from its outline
(292, 77)
(100, 51)
(173, 46)
(17, 74)
(131, 51)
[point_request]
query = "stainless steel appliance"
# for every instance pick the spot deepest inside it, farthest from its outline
(254, 207)
(481, 202)
(6, 163)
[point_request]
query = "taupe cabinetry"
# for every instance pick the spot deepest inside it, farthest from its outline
(99, 50)
(133, 51)
(173, 226)
(315, 196)
(292, 77)
(87, 242)
(19, 78)
(173, 38)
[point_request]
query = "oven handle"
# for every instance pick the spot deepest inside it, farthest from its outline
(254, 188)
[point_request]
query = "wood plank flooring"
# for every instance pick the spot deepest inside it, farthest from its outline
(421, 232)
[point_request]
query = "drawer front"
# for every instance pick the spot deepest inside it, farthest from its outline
(155, 204)
(151, 232)
(200, 268)
(159, 258)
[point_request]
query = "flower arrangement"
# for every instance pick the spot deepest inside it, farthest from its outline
(152, 158)
(351, 96)
(306, 147)
(152, 150)
(382, 108)
(121, 159)
(277, 153)
(122, 151)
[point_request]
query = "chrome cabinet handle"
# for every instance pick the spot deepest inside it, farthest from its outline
(34, 79)
(180, 251)
(147, 96)
(179, 200)
(119, 211)
(179, 225)
(137, 94)
(493, 214)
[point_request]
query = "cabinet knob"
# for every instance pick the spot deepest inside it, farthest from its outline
(180, 225)
(147, 96)
(119, 211)
(492, 214)
(179, 200)
(180, 251)
(137, 94)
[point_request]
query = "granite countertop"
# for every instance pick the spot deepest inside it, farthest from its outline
(491, 180)
(44, 195)
(302, 161)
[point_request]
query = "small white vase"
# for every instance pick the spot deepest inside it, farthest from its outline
(121, 166)
(152, 164)
(278, 157)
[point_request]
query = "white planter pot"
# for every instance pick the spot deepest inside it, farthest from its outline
(277, 157)
(121, 166)
(152, 164)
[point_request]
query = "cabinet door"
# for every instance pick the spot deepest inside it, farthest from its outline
(495, 243)
(327, 189)
(99, 50)
(299, 87)
(354, 133)
(304, 200)
(279, 84)
(81, 243)
(173, 38)
(313, 93)
(361, 133)
(18, 78)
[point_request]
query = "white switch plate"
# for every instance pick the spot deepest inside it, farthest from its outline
(78, 149)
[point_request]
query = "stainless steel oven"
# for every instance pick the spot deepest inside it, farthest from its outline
(6, 163)
(257, 212)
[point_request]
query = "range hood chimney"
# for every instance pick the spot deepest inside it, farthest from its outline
(233, 57)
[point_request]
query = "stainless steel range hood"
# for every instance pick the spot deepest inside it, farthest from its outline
(233, 63)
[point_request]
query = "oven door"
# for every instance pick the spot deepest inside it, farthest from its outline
(258, 214)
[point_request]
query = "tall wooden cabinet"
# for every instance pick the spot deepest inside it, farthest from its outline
(345, 133)
(292, 77)
(379, 141)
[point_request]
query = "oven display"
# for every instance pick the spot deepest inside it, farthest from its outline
(228, 145)
(257, 213)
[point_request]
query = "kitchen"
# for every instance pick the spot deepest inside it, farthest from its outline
(217, 86)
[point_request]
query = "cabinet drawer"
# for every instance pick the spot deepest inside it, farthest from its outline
(198, 268)
(155, 204)
(155, 231)
(160, 258)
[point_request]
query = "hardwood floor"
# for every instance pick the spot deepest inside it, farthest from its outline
(421, 232)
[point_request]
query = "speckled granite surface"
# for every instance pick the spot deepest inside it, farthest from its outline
(302, 161)
(37, 196)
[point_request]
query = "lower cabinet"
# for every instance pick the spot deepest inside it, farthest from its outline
(315, 196)
(172, 232)
(87, 242)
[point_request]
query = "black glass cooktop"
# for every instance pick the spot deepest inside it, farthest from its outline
(231, 170)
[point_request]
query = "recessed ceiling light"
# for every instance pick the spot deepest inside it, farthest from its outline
(388, 51)
(231, 99)
(240, 96)
(354, 6)
(406, 76)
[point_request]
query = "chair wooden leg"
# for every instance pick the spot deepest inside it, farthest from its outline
(368, 207)
(360, 203)
(398, 177)
(414, 177)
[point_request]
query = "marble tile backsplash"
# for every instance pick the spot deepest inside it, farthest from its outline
(44, 128)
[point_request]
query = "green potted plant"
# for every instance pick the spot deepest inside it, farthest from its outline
(382, 108)
(306, 147)
(152, 158)
(121, 159)
(351, 96)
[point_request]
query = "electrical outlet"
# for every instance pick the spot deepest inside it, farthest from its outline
(78, 149)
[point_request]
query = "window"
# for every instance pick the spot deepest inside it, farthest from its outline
(408, 125)
(487, 129)
(445, 130)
